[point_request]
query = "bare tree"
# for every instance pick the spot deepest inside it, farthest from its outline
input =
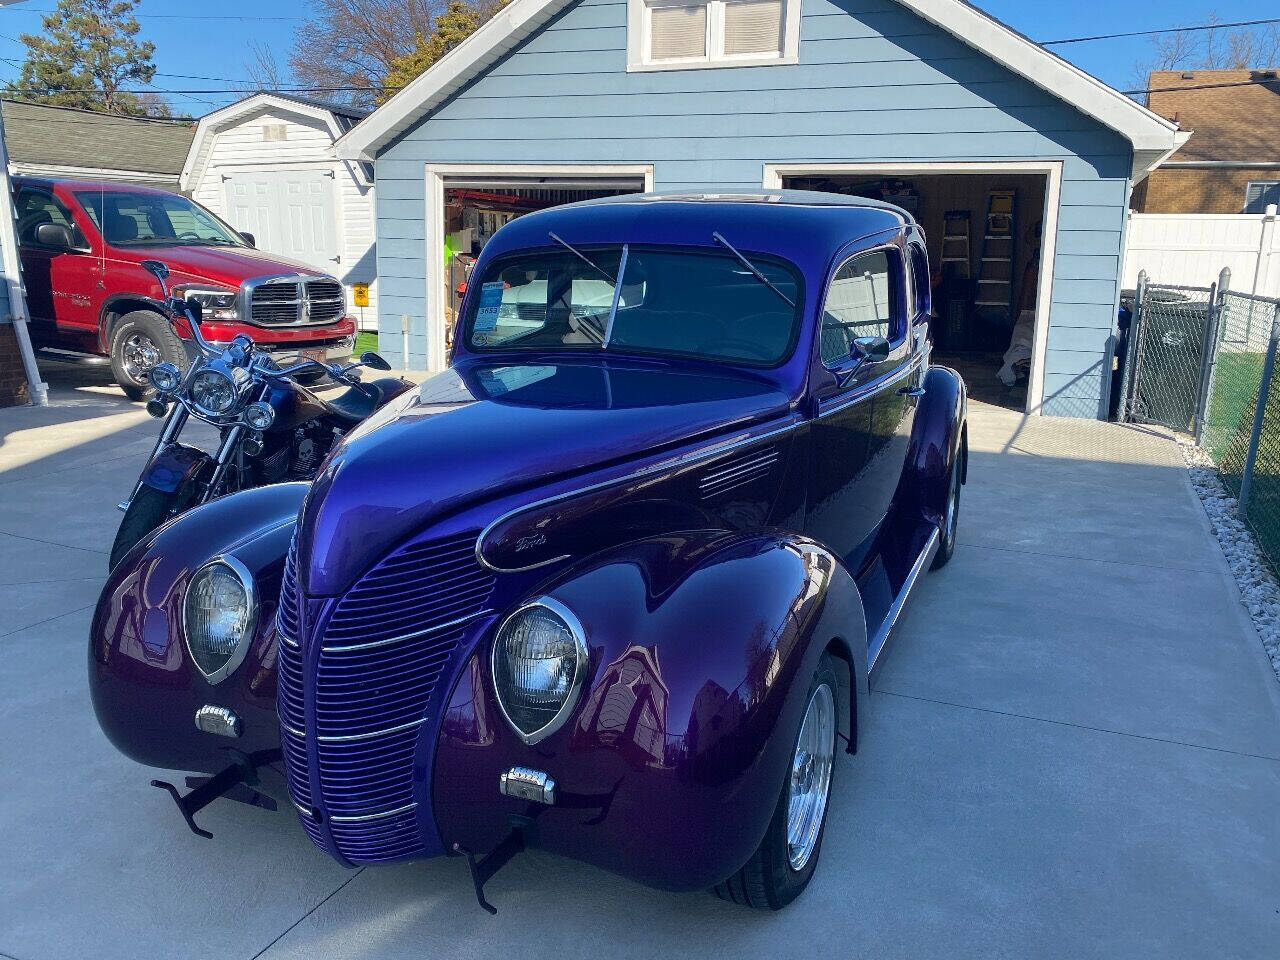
(1238, 48)
(354, 44)
(262, 66)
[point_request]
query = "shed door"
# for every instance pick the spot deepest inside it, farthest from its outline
(289, 212)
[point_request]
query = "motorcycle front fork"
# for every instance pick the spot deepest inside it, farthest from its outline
(173, 425)
(228, 451)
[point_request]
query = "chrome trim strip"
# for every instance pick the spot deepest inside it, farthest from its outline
(301, 809)
(408, 636)
(671, 464)
(882, 636)
(869, 390)
(288, 640)
(766, 458)
(375, 733)
(746, 471)
(296, 734)
(372, 816)
(730, 487)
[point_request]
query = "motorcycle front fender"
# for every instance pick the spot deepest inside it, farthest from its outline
(173, 467)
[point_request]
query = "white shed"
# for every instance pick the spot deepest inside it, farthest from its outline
(266, 165)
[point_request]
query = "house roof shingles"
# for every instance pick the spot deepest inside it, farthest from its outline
(1237, 124)
(62, 136)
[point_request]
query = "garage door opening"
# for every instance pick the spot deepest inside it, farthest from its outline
(986, 234)
(467, 205)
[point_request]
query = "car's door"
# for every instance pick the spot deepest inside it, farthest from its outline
(851, 431)
(59, 282)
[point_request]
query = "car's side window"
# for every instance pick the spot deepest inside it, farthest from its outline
(921, 278)
(36, 207)
(860, 303)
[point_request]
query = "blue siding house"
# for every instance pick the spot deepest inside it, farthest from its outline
(707, 94)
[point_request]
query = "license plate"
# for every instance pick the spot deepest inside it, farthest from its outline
(317, 355)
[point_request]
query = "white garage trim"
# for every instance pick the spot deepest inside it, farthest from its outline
(560, 175)
(1052, 170)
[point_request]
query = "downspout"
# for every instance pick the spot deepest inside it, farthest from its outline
(13, 275)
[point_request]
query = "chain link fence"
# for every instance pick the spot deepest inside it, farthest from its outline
(1203, 362)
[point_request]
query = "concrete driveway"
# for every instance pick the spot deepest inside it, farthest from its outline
(1074, 751)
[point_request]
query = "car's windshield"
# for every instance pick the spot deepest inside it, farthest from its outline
(154, 219)
(670, 301)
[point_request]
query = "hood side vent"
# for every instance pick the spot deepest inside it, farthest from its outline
(737, 472)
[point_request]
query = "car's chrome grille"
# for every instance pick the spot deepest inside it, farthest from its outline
(287, 614)
(385, 647)
(292, 302)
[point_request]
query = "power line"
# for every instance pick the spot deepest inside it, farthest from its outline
(175, 16)
(1203, 86)
(1154, 33)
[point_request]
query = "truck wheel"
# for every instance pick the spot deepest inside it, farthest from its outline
(140, 341)
(148, 509)
(783, 864)
(951, 519)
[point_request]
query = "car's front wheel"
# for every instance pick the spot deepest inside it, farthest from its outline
(783, 864)
(140, 341)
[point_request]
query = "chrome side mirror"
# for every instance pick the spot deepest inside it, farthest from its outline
(872, 349)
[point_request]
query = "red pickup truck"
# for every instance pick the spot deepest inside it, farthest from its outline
(82, 244)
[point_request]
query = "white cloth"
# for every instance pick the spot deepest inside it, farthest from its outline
(1021, 344)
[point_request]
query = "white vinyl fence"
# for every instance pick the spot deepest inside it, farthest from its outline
(1190, 250)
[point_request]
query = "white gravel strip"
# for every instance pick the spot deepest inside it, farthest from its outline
(1257, 583)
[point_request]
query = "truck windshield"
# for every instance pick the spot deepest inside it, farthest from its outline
(154, 219)
(674, 301)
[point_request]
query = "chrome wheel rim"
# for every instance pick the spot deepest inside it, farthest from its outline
(138, 355)
(810, 779)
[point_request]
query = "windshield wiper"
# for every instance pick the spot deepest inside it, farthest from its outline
(585, 259)
(752, 267)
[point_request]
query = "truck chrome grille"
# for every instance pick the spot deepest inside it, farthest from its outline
(296, 301)
(383, 652)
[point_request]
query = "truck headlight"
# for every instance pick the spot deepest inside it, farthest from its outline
(215, 303)
(539, 666)
(219, 616)
(213, 392)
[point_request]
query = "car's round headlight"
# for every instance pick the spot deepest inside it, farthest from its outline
(539, 665)
(259, 415)
(165, 377)
(213, 392)
(220, 614)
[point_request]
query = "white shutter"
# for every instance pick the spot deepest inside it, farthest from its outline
(677, 33)
(754, 26)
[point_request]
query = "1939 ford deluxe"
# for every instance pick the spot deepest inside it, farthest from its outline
(613, 583)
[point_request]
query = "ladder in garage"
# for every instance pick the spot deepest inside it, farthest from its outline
(999, 251)
(955, 244)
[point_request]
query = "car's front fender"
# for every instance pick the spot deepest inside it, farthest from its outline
(144, 687)
(701, 648)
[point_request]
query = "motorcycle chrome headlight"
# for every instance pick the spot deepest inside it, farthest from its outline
(212, 392)
(165, 377)
(219, 616)
(259, 416)
(539, 666)
(215, 303)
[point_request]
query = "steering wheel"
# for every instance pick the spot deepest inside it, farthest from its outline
(750, 348)
(189, 235)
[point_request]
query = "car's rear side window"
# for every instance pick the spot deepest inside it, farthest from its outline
(861, 301)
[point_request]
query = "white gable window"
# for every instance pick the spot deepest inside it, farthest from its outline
(680, 34)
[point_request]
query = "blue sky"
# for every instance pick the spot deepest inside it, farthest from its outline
(215, 48)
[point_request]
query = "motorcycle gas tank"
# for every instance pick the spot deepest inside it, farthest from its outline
(294, 405)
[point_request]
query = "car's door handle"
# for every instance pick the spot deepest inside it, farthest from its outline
(911, 391)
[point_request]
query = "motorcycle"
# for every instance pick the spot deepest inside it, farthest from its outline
(271, 428)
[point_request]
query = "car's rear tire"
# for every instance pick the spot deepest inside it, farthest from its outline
(147, 510)
(139, 341)
(951, 516)
(784, 863)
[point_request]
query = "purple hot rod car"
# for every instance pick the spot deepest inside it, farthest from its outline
(611, 584)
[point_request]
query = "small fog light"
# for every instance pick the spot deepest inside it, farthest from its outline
(218, 720)
(252, 445)
(259, 415)
(157, 408)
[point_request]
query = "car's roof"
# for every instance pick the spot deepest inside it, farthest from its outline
(110, 186)
(802, 226)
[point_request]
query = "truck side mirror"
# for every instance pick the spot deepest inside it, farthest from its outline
(248, 238)
(54, 235)
(156, 269)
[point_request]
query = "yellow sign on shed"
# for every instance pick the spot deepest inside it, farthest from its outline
(360, 294)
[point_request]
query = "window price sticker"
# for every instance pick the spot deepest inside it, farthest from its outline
(490, 304)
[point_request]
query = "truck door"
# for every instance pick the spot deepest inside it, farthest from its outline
(60, 283)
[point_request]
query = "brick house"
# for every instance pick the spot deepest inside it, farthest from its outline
(1231, 164)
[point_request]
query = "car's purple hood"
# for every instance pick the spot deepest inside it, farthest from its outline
(478, 431)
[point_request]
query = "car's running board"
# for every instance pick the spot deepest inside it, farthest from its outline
(891, 618)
